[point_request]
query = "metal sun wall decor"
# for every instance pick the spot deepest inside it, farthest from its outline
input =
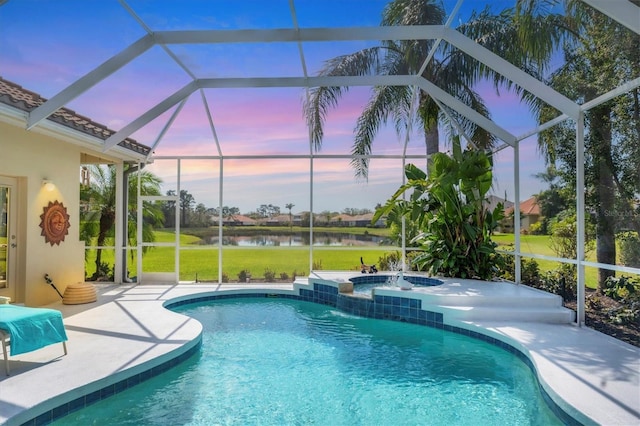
(54, 222)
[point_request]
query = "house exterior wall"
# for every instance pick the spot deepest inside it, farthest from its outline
(529, 220)
(30, 157)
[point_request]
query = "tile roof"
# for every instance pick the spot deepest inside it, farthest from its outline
(527, 207)
(16, 96)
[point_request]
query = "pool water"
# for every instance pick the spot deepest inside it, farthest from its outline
(365, 283)
(286, 362)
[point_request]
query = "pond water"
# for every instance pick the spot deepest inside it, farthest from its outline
(296, 240)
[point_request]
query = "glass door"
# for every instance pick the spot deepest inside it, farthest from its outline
(8, 241)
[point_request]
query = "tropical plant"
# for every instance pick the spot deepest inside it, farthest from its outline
(450, 208)
(394, 223)
(99, 208)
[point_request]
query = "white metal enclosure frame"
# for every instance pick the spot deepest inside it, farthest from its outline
(622, 11)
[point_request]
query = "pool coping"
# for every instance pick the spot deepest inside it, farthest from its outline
(591, 372)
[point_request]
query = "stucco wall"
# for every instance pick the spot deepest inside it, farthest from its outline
(30, 157)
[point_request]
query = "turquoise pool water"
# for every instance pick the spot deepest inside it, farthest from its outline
(287, 362)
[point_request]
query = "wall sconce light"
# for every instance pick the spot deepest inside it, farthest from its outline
(48, 185)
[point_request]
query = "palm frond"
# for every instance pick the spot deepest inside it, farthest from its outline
(321, 100)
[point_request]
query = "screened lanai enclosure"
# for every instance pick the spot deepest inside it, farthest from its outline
(302, 110)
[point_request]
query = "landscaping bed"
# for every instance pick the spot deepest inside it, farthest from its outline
(598, 316)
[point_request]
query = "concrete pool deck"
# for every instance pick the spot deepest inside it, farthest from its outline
(128, 331)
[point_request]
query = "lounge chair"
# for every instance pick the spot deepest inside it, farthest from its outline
(28, 329)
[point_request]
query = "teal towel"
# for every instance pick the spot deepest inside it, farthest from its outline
(31, 328)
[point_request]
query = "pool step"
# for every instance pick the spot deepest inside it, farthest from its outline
(472, 300)
(541, 314)
(530, 300)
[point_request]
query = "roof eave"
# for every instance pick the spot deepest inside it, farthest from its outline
(93, 145)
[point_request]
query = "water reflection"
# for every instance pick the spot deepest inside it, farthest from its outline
(296, 240)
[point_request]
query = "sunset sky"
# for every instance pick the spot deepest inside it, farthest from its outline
(46, 45)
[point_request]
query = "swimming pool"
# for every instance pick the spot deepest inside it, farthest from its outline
(278, 361)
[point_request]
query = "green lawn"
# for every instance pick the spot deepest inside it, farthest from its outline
(541, 244)
(201, 262)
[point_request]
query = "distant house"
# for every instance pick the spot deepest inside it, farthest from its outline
(529, 214)
(279, 220)
(493, 201)
(362, 220)
(239, 220)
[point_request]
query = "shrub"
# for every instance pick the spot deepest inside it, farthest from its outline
(317, 265)
(560, 281)
(625, 290)
(538, 228)
(295, 274)
(225, 277)
(284, 276)
(622, 288)
(390, 261)
(630, 249)
(269, 275)
(564, 242)
(243, 275)
(103, 273)
(529, 271)
(625, 315)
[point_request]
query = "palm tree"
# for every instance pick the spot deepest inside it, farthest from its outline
(289, 206)
(99, 215)
(391, 102)
(526, 43)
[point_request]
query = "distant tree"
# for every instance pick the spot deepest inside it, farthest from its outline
(551, 200)
(355, 211)
(169, 210)
(555, 199)
(230, 213)
(306, 219)
(268, 210)
(289, 206)
(200, 215)
(186, 202)
(327, 215)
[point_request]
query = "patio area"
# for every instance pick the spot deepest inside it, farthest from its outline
(127, 335)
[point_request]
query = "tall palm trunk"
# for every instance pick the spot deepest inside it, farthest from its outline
(431, 138)
(107, 219)
(605, 192)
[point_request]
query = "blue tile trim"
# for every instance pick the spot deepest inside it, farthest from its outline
(93, 397)
(403, 309)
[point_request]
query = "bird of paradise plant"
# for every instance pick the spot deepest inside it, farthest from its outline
(449, 206)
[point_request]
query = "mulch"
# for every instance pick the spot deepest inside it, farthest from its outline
(598, 318)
